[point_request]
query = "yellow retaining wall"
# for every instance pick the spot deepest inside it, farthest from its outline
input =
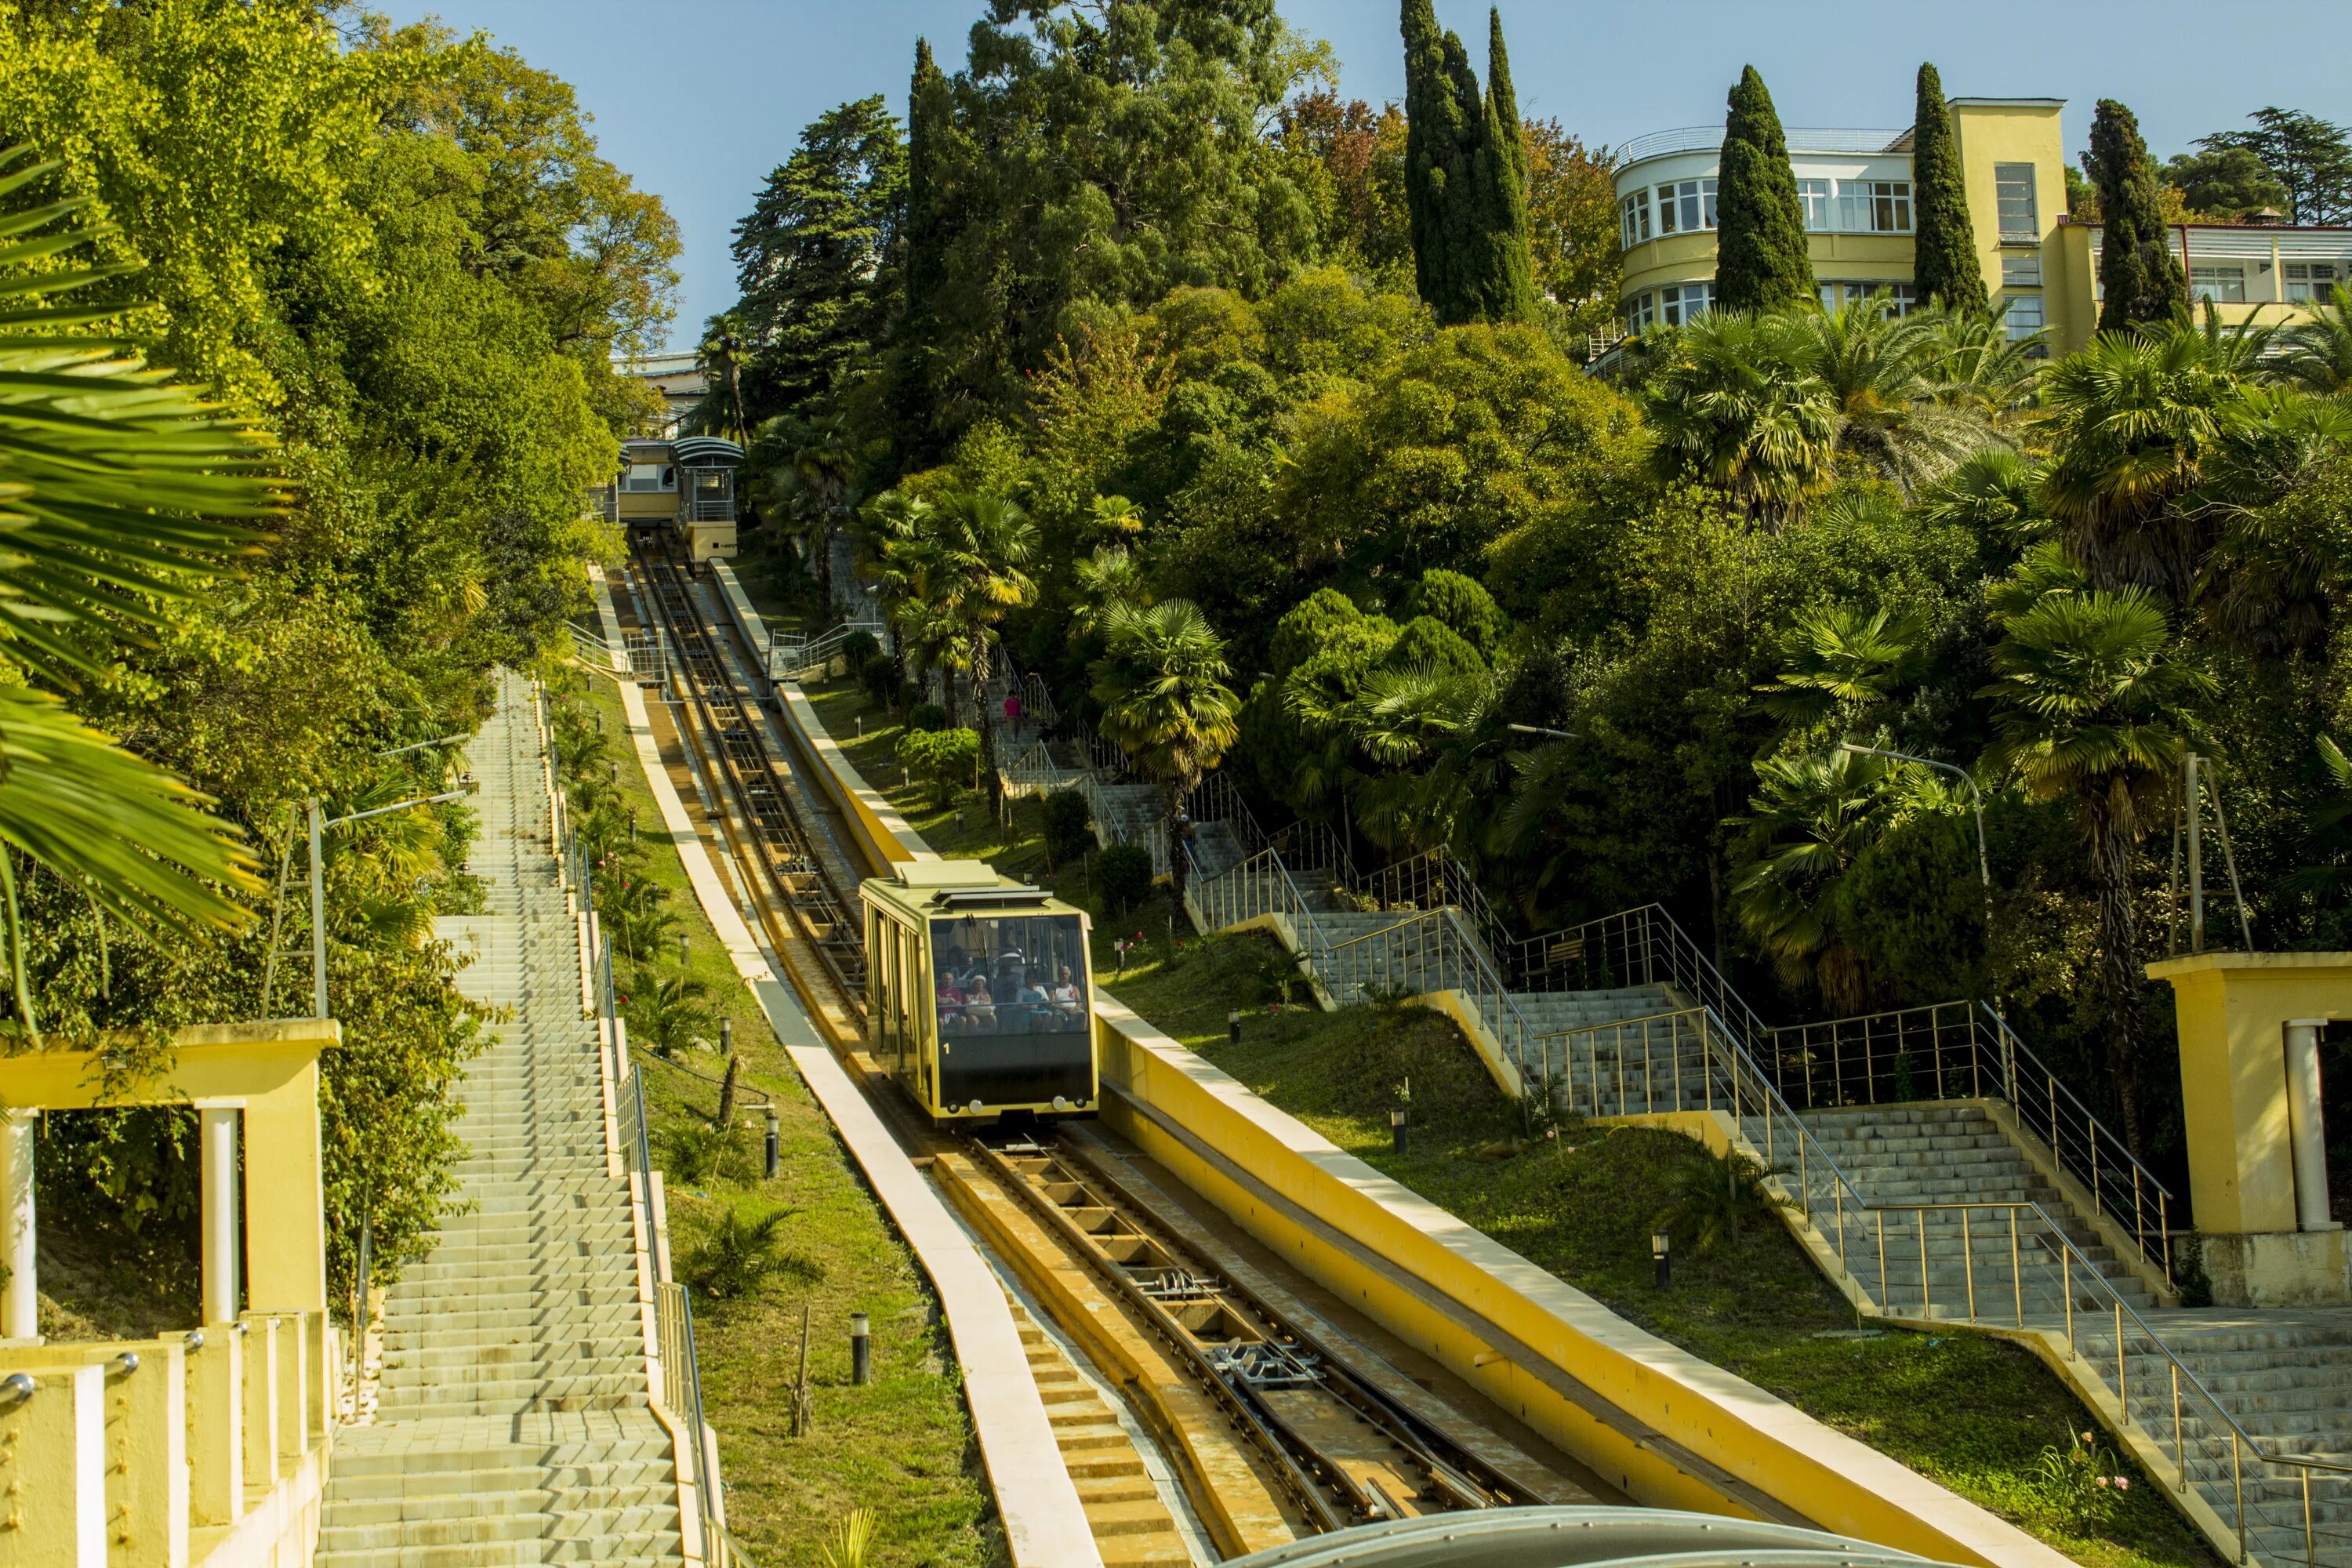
(1669, 1429)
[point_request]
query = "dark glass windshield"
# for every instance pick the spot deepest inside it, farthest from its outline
(1010, 975)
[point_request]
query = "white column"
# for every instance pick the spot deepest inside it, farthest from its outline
(223, 1254)
(2308, 1138)
(20, 1305)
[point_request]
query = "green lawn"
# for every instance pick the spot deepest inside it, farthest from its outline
(901, 1446)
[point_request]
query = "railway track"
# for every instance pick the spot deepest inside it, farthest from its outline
(1282, 1428)
(758, 782)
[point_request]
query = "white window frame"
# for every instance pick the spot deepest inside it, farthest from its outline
(649, 479)
(2023, 316)
(2213, 280)
(1820, 211)
(1685, 207)
(1633, 218)
(2015, 185)
(1862, 203)
(2307, 281)
(2020, 272)
(1680, 304)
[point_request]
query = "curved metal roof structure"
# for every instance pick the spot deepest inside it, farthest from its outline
(1572, 1537)
(705, 452)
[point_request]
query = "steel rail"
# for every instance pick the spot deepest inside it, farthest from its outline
(789, 866)
(1459, 1480)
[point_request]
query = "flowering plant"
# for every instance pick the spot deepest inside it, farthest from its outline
(2084, 1480)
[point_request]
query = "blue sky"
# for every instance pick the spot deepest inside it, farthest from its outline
(700, 99)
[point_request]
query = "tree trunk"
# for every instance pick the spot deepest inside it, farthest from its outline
(2111, 828)
(1180, 839)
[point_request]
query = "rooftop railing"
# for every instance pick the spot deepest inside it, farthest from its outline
(1707, 138)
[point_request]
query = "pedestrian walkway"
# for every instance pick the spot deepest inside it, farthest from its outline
(514, 1424)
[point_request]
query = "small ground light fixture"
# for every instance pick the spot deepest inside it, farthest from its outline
(1396, 1130)
(1661, 1245)
(776, 1146)
(1233, 1024)
(861, 1350)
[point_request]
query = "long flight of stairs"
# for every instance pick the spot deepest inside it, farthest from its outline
(513, 1423)
(2284, 1376)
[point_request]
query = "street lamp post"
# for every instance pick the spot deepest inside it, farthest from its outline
(320, 823)
(1975, 799)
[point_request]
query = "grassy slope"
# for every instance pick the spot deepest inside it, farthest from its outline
(1972, 1412)
(901, 1446)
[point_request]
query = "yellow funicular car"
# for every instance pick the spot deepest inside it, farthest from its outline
(978, 994)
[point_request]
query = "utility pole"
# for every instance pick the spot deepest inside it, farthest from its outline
(2196, 856)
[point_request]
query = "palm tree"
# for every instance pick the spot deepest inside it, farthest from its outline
(118, 490)
(1735, 404)
(1811, 817)
(823, 466)
(2320, 349)
(668, 1013)
(1843, 663)
(1109, 582)
(2131, 421)
(2090, 703)
(1889, 409)
(1995, 493)
(1161, 683)
(1421, 724)
(962, 573)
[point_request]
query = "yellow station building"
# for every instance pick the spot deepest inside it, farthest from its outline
(2040, 267)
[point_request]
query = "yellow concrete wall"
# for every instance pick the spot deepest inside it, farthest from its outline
(648, 506)
(2233, 1009)
(1669, 1429)
(2025, 131)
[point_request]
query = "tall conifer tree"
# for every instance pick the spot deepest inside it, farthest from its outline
(2138, 269)
(1946, 268)
(927, 110)
(1761, 259)
(1465, 175)
(1507, 290)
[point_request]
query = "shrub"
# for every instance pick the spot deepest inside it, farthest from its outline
(1066, 825)
(734, 1258)
(943, 759)
(879, 676)
(858, 648)
(927, 716)
(1123, 872)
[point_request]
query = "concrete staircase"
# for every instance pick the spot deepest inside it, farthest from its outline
(514, 1424)
(1949, 1152)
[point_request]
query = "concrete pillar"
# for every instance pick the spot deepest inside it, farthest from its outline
(53, 1466)
(2304, 1128)
(224, 1248)
(20, 1302)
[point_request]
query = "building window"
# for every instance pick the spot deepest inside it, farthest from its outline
(2219, 284)
(2310, 279)
(1639, 314)
(1815, 195)
(1680, 304)
(2020, 272)
(2024, 318)
(1875, 206)
(650, 477)
(1633, 218)
(1901, 298)
(1686, 207)
(2021, 214)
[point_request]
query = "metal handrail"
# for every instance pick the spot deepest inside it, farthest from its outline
(1970, 1037)
(2075, 1265)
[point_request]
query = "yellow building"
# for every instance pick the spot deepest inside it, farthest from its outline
(1857, 191)
(686, 485)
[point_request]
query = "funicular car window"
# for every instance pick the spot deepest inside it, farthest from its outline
(1009, 974)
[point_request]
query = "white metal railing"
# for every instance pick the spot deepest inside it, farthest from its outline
(791, 658)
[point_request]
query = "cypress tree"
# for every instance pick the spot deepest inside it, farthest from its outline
(1507, 289)
(1436, 148)
(2138, 269)
(1465, 175)
(1947, 268)
(1761, 261)
(925, 230)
